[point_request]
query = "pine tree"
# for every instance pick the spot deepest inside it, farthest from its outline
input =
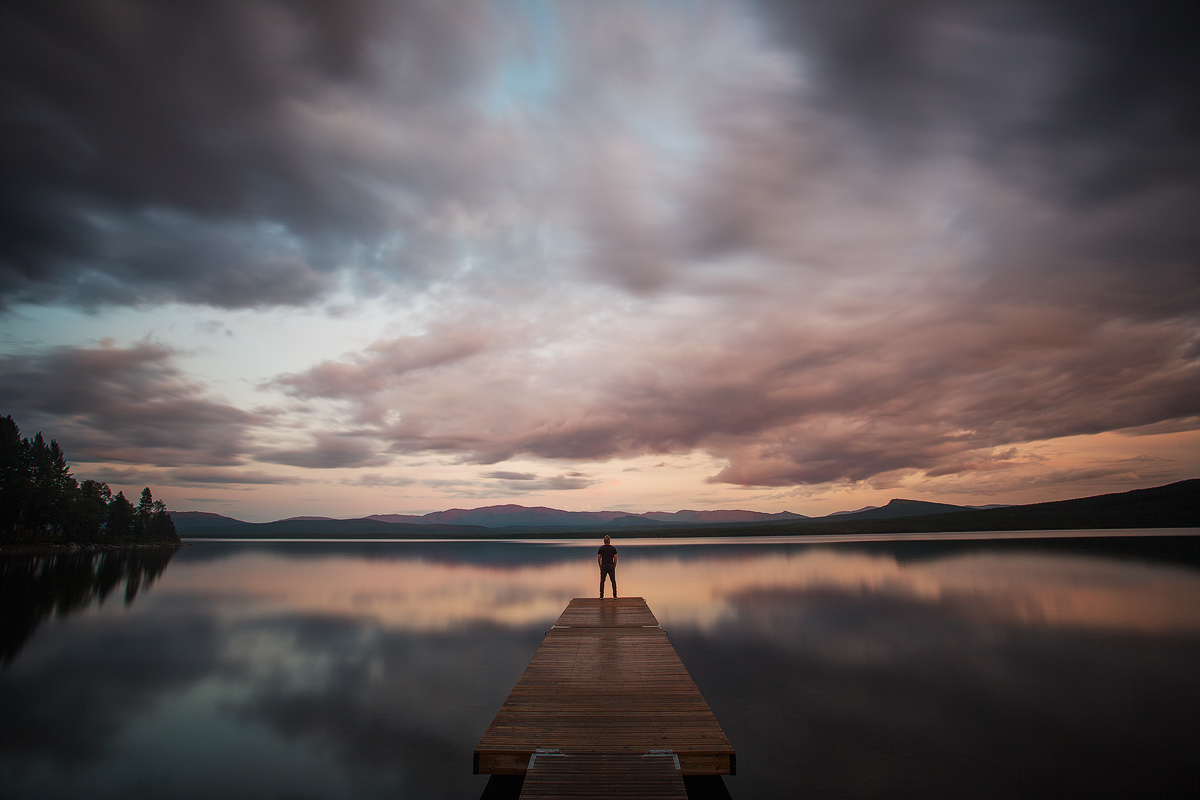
(118, 525)
(88, 511)
(53, 487)
(145, 511)
(41, 501)
(15, 487)
(162, 527)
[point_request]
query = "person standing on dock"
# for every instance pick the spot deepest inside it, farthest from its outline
(606, 557)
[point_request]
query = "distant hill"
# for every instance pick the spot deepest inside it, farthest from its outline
(897, 508)
(720, 516)
(905, 508)
(186, 520)
(508, 516)
(512, 516)
(1176, 505)
(636, 520)
(505, 516)
(856, 511)
(411, 519)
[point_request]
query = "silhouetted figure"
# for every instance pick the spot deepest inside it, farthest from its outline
(606, 557)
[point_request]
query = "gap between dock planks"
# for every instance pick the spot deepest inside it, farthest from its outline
(605, 681)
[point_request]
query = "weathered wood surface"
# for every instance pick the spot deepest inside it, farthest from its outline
(595, 776)
(592, 612)
(605, 681)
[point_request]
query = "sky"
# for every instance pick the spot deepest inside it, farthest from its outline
(344, 258)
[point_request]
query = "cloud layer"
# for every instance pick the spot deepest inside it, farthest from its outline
(820, 241)
(122, 404)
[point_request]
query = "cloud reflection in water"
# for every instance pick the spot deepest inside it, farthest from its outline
(371, 670)
(442, 589)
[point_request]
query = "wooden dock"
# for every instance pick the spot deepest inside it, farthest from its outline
(606, 707)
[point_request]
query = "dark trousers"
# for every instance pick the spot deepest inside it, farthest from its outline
(611, 571)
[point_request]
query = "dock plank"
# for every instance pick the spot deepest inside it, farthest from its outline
(596, 776)
(618, 612)
(606, 681)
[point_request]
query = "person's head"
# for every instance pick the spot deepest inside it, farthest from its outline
(607, 540)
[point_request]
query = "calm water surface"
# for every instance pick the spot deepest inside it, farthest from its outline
(330, 670)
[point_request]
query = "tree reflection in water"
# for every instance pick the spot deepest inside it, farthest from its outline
(34, 586)
(982, 669)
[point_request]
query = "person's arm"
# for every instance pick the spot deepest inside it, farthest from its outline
(599, 560)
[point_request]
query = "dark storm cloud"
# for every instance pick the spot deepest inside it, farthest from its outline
(1091, 107)
(165, 151)
(823, 241)
(241, 154)
(1110, 79)
(122, 404)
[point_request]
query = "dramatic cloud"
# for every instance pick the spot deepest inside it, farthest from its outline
(234, 154)
(229, 476)
(789, 402)
(327, 451)
(817, 242)
(122, 404)
(1085, 111)
(529, 482)
(383, 364)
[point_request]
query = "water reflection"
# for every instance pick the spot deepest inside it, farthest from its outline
(35, 586)
(371, 670)
(438, 586)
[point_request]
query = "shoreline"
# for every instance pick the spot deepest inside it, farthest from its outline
(36, 548)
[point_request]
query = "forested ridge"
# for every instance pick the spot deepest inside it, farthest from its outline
(42, 503)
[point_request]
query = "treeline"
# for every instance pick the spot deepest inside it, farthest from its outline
(41, 502)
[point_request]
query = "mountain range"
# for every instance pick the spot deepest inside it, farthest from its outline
(510, 516)
(1172, 506)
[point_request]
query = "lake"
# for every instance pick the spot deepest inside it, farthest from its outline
(841, 668)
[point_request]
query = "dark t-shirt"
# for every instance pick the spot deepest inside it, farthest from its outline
(607, 555)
